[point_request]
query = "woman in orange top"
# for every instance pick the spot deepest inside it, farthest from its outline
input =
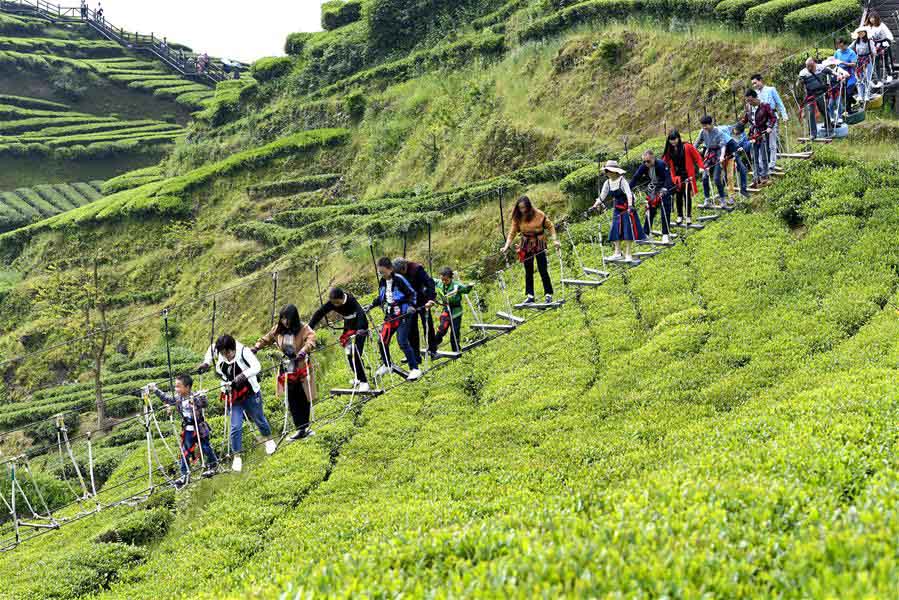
(296, 340)
(532, 224)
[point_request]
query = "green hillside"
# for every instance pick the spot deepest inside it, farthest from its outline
(716, 422)
(109, 111)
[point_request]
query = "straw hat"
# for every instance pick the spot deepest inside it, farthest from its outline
(859, 30)
(613, 167)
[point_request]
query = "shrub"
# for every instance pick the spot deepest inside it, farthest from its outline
(354, 104)
(95, 567)
(577, 15)
(822, 17)
(441, 56)
(337, 13)
(770, 15)
(35, 103)
(733, 10)
(397, 24)
(499, 15)
(296, 43)
(267, 69)
(139, 528)
(283, 188)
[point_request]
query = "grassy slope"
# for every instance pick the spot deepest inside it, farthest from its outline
(674, 432)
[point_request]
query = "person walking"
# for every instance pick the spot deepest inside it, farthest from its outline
(882, 37)
(685, 165)
(449, 295)
(238, 368)
(625, 227)
(397, 297)
(194, 429)
(533, 225)
(423, 284)
(865, 51)
(658, 193)
(296, 340)
(355, 331)
(817, 80)
(769, 95)
(761, 120)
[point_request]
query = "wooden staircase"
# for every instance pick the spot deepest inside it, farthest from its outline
(184, 65)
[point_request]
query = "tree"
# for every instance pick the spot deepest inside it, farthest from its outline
(75, 295)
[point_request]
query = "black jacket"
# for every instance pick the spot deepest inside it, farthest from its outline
(422, 282)
(351, 311)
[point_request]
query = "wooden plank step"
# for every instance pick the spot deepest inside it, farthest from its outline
(540, 305)
(350, 392)
(631, 263)
(704, 218)
(583, 282)
(690, 226)
(815, 140)
(493, 326)
(589, 271)
(797, 155)
(510, 317)
(655, 243)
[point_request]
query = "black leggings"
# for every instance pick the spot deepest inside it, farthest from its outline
(543, 266)
(298, 401)
(354, 358)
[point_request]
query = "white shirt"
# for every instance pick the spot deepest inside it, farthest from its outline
(880, 33)
(249, 364)
(609, 186)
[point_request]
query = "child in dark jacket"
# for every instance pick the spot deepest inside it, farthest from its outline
(193, 425)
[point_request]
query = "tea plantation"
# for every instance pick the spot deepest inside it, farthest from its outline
(715, 422)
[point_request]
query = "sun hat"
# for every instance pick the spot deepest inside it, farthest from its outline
(613, 166)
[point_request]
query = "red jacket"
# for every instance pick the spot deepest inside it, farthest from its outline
(693, 162)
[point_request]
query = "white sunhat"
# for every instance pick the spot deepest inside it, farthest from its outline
(613, 166)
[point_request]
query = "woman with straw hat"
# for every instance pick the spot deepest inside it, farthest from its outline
(625, 223)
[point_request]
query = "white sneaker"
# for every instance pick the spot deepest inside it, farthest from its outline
(616, 256)
(237, 465)
(414, 374)
(665, 239)
(383, 370)
(629, 258)
(363, 387)
(270, 447)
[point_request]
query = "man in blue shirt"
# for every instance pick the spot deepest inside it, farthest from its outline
(718, 145)
(848, 60)
(768, 95)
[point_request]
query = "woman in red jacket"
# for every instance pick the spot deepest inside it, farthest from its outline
(684, 162)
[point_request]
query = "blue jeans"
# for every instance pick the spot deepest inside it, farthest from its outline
(251, 409)
(719, 181)
(400, 325)
(189, 440)
(863, 83)
(760, 156)
(402, 338)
